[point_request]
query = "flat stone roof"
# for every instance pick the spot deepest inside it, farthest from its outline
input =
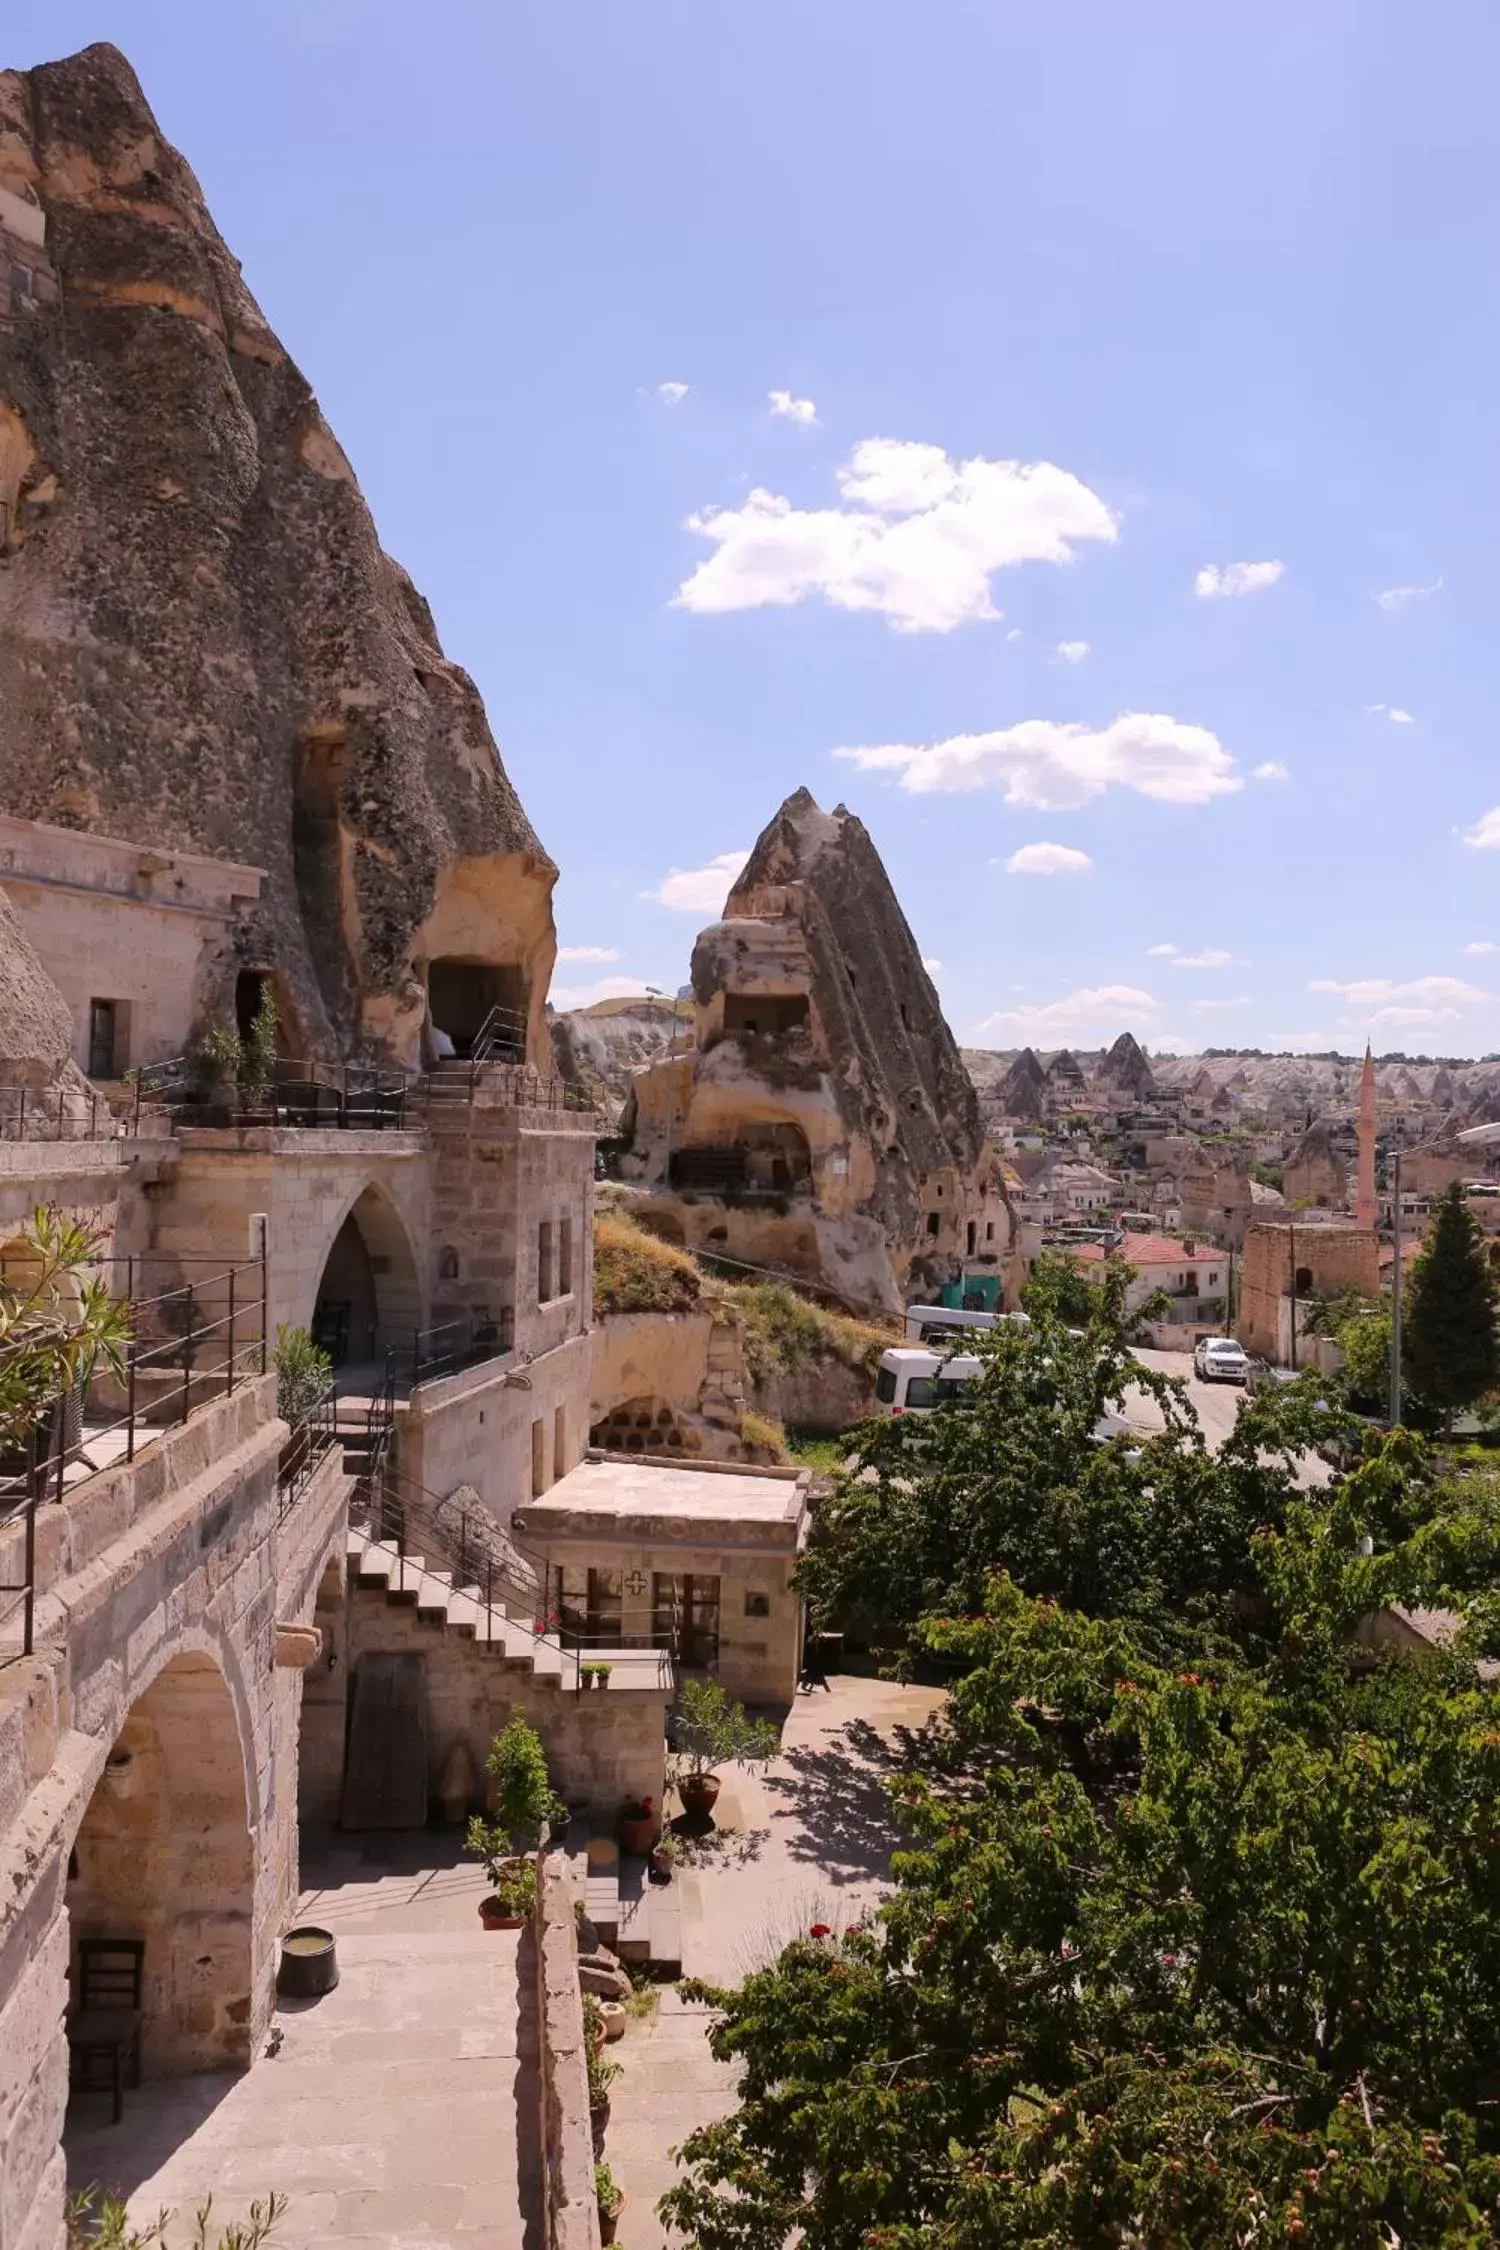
(619, 1486)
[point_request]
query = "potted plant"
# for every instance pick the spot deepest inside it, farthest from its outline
(523, 1799)
(257, 1061)
(709, 1731)
(610, 2197)
(217, 1058)
(637, 1826)
(602, 2074)
(665, 1853)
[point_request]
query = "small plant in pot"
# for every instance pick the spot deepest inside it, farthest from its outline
(610, 2197)
(708, 1731)
(637, 1826)
(217, 1057)
(523, 1799)
(602, 2075)
(665, 1853)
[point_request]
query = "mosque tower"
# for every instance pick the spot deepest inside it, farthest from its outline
(1366, 1209)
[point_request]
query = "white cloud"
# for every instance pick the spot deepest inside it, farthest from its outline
(1402, 597)
(698, 890)
(1212, 957)
(916, 537)
(1093, 1014)
(1208, 1007)
(1054, 765)
(1161, 952)
(672, 394)
(584, 995)
(1485, 834)
(587, 953)
(1387, 1004)
(789, 409)
(1391, 711)
(1217, 582)
(1072, 652)
(1048, 859)
(1483, 945)
(932, 965)
(1271, 770)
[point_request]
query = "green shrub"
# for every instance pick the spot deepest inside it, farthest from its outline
(303, 1373)
(635, 1271)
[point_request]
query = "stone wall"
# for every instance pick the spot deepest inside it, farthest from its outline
(509, 1430)
(601, 1748)
(572, 2212)
(1326, 1259)
(155, 1729)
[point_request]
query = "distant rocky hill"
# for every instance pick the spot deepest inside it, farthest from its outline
(597, 1048)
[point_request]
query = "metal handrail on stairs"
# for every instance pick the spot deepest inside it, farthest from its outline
(429, 1536)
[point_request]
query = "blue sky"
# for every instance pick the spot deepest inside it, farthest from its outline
(1069, 304)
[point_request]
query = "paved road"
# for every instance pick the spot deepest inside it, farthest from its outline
(1215, 1404)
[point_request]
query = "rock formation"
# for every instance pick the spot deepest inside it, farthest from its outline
(1125, 1070)
(36, 1039)
(201, 641)
(824, 1123)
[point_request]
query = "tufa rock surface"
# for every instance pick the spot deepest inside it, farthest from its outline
(825, 1123)
(201, 641)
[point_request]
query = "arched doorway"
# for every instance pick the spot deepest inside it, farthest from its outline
(164, 1858)
(368, 1294)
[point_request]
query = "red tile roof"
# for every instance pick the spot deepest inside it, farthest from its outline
(1154, 1250)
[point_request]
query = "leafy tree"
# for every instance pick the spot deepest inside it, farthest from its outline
(1180, 1958)
(1364, 1337)
(57, 1320)
(1025, 1478)
(1450, 1343)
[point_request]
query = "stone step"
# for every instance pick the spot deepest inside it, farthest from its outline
(664, 1919)
(633, 1942)
(601, 1888)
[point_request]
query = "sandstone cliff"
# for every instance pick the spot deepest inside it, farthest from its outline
(825, 1124)
(201, 641)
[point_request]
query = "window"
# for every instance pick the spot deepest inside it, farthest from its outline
(104, 1037)
(538, 1459)
(989, 1230)
(757, 1605)
(885, 1386)
(686, 1609)
(544, 1261)
(972, 1237)
(565, 1257)
(922, 1391)
(507, 1328)
(560, 1442)
(934, 1221)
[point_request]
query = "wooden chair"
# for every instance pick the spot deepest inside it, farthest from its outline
(105, 2026)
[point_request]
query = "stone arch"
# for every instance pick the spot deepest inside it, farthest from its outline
(165, 1853)
(369, 1292)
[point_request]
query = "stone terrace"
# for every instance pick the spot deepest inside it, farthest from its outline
(401, 2107)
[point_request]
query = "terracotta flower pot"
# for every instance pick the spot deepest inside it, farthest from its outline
(612, 2018)
(699, 1793)
(495, 1915)
(637, 1836)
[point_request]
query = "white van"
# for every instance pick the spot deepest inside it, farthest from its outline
(911, 1381)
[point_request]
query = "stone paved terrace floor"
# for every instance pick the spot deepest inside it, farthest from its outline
(808, 1841)
(400, 2111)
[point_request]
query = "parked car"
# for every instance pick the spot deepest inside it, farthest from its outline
(1219, 1359)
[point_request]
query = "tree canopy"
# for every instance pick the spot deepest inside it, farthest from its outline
(1194, 1942)
(1450, 1343)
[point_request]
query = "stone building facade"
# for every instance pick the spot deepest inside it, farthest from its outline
(1283, 1260)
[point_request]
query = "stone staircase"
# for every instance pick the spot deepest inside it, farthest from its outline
(639, 1920)
(377, 1566)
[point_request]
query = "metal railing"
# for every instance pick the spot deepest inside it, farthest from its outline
(448, 1348)
(336, 1097)
(56, 1113)
(312, 1438)
(190, 1341)
(426, 1534)
(501, 1037)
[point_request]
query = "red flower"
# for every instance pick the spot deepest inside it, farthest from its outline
(820, 1930)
